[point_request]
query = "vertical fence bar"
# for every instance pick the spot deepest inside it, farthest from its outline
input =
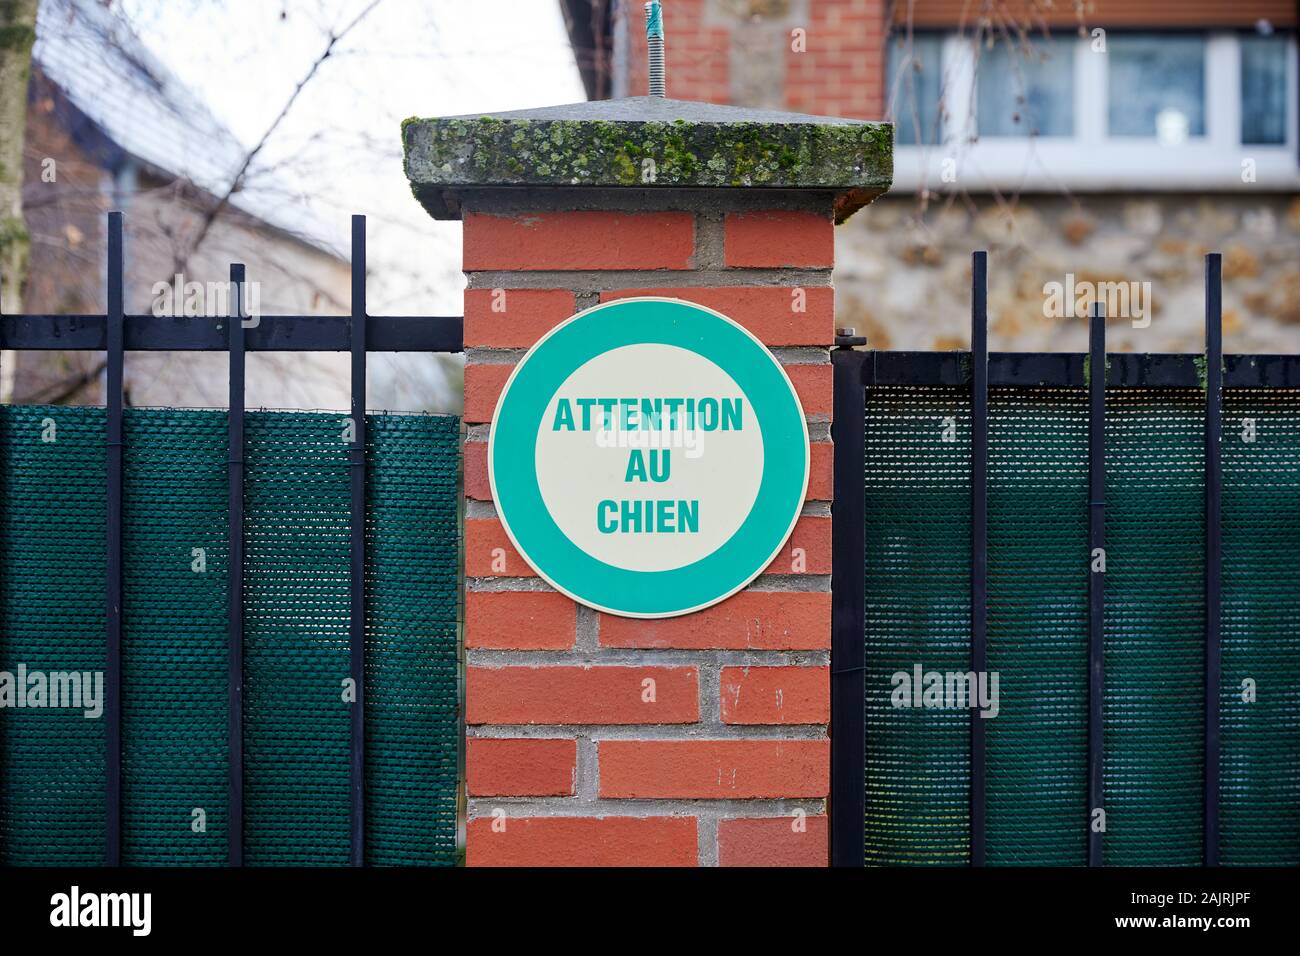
(1096, 572)
(2, 312)
(235, 573)
(848, 610)
(115, 319)
(357, 625)
(1213, 543)
(979, 565)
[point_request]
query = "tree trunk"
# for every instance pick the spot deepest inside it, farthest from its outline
(17, 33)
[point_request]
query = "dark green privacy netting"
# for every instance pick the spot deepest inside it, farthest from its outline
(1153, 776)
(917, 612)
(174, 719)
(1037, 624)
(1260, 797)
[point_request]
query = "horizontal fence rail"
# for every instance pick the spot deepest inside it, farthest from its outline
(404, 508)
(272, 333)
(1067, 370)
(1111, 535)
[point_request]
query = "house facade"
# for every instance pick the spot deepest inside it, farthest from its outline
(110, 127)
(1098, 145)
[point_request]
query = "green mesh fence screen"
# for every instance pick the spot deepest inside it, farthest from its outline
(1153, 775)
(917, 613)
(1037, 746)
(1259, 801)
(52, 602)
(174, 720)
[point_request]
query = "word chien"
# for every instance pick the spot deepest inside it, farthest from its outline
(654, 465)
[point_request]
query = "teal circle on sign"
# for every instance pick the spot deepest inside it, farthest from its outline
(648, 457)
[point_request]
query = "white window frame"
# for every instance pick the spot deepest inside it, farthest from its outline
(1091, 160)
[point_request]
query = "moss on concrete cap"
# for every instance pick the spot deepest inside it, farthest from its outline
(643, 142)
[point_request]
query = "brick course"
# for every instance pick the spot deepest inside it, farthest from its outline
(777, 841)
(582, 695)
(716, 769)
(582, 841)
(776, 695)
(579, 240)
(520, 768)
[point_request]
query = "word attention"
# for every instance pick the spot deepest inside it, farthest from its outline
(654, 465)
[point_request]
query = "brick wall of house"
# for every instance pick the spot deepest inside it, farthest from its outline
(813, 56)
(568, 762)
(828, 56)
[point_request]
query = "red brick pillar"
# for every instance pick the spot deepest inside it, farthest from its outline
(566, 762)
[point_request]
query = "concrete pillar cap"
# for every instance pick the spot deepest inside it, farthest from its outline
(646, 142)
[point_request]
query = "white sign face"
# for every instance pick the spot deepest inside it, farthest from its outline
(648, 457)
(653, 524)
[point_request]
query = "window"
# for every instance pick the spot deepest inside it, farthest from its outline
(1263, 90)
(1175, 110)
(915, 83)
(1026, 91)
(1157, 86)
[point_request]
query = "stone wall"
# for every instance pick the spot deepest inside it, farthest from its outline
(903, 277)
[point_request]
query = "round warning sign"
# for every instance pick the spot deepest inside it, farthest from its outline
(648, 457)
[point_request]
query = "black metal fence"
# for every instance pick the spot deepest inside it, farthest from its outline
(932, 788)
(117, 333)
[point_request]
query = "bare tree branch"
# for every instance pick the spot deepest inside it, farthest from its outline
(238, 181)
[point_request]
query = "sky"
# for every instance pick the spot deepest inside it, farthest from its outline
(340, 142)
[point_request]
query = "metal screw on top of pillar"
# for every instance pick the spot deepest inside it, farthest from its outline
(654, 37)
(848, 338)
